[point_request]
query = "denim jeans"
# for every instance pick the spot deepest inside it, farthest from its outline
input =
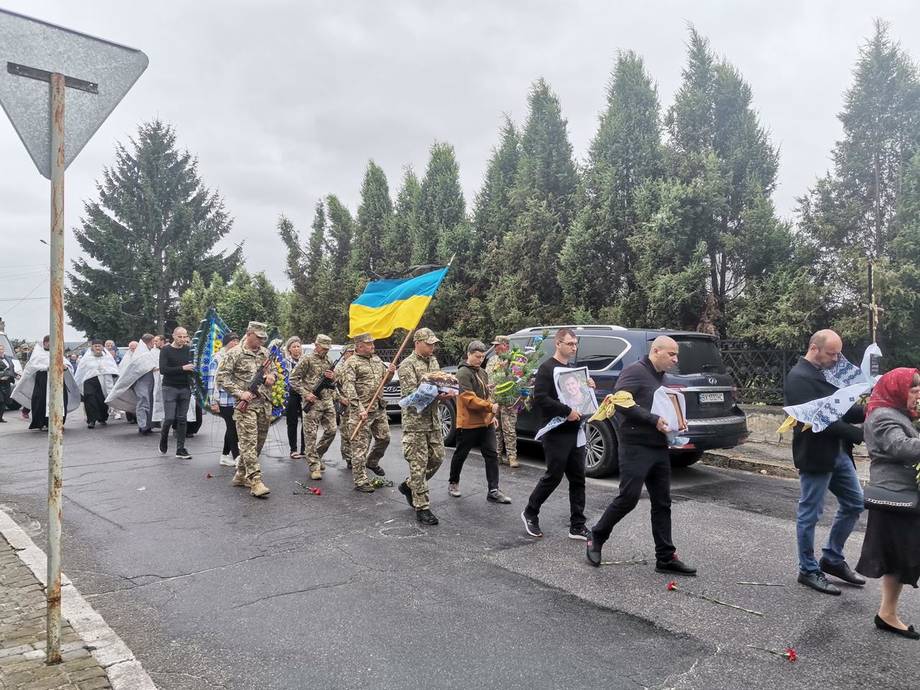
(844, 484)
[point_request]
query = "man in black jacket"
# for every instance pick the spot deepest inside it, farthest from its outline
(564, 457)
(824, 461)
(644, 458)
(176, 368)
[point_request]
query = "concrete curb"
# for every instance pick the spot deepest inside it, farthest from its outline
(111, 653)
(734, 462)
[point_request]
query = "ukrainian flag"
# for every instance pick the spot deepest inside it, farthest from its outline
(386, 305)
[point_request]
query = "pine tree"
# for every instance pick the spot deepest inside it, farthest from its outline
(596, 264)
(154, 225)
(339, 290)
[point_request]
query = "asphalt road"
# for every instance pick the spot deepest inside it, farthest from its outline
(212, 588)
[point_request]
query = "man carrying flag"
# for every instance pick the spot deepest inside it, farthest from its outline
(384, 306)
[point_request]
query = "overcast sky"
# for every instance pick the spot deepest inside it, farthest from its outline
(284, 102)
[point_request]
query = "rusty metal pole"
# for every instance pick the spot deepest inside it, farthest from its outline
(56, 374)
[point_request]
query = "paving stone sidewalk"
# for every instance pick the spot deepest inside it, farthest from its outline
(22, 636)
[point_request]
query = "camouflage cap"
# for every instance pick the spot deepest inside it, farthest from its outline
(323, 340)
(501, 340)
(349, 348)
(426, 335)
(363, 338)
(259, 328)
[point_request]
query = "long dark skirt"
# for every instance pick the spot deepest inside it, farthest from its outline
(39, 404)
(891, 546)
(94, 401)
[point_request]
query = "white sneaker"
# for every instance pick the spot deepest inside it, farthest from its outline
(454, 490)
(227, 461)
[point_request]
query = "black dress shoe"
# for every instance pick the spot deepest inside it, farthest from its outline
(910, 633)
(593, 551)
(675, 565)
(842, 571)
(407, 492)
(818, 582)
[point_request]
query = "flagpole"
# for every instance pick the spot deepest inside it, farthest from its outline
(399, 352)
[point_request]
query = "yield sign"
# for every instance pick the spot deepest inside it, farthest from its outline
(98, 74)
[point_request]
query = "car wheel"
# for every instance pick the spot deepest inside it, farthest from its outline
(601, 457)
(447, 415)
(686, 458)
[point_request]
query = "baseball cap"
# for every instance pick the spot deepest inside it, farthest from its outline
(259, 328)
(426, 335)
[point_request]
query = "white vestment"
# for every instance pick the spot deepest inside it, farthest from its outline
(40, 360)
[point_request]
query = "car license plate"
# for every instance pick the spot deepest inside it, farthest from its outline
(712, 397)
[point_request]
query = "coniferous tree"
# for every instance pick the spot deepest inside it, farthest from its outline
(403, 226)
(154, 225)
(441, 204)
(596, 264)
(544, 202)
(865, 207)
(375, 213)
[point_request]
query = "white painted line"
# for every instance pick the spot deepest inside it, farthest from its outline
(124, 671)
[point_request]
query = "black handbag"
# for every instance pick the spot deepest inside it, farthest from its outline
(901, 501)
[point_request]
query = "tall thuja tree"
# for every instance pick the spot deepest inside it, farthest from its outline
(154, 225)
(340, 290)
(596, 263)
(441, 204)
(718, 150)
(308, 269)
(544, 202)
(375, 213)
(443, 232)
(855, 212)
(899, 282)
(403, 225)
(493, 215)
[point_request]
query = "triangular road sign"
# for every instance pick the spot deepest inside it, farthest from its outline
(29, 50)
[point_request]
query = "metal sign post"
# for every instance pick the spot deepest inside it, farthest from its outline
(35, 53)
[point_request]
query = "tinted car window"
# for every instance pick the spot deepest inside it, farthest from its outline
(698, 355)
(598, 352)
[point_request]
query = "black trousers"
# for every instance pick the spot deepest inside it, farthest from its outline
(231, 440)
(175, 410)
(94, 401)
(483, 438)
(294, 418)
(5, 390)
(642, 465)
(563, 459)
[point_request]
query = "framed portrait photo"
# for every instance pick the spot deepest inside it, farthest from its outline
(573, 390)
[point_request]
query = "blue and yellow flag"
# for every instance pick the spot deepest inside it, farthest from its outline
(386, 305)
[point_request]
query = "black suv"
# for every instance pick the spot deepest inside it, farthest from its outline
(713, 416)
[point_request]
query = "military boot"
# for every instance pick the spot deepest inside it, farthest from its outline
(239, 479)
(316, 475)
(426, 517)
(258, 489)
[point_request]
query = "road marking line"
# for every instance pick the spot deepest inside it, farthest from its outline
(117, 660)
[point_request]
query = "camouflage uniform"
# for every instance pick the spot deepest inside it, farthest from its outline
(361, 376)
(308, 372)
(344, 411)
(422, 440)
(507, 416)
(237, 369)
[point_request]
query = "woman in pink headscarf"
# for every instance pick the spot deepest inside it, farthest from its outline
(891, 548)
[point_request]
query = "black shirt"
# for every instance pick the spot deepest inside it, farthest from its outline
(172, 360)
(546, 400)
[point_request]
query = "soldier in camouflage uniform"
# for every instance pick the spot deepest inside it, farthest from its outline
(507, 414)
(423, 440)
(320, 409)
(236, 371)
(344, 441)
(361, 377)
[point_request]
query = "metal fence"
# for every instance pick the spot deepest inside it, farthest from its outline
(758, 371)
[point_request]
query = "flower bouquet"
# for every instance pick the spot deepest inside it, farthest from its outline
(513, 375)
